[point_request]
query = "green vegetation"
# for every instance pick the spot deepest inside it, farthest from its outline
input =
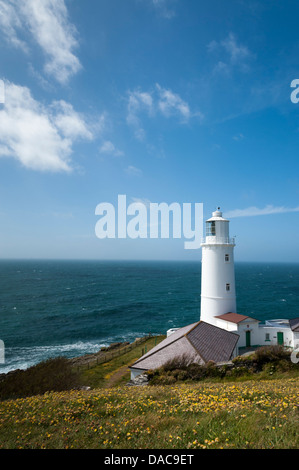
(203, 407)
(264, 363)
(116, 371)
(51, 375)
(61, 374)
(184, 416)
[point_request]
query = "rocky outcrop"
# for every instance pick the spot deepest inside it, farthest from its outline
(141, 379)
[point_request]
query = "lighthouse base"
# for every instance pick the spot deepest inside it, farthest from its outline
(212, 307)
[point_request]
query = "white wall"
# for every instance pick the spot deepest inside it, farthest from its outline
(288, 335)
(215, 274)
(253, 327)
(249, 324)
(226, 325)
(258, 333)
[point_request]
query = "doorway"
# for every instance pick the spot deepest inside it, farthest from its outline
(280, 338)
(248, 339)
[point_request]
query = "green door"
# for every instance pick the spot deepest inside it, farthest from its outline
(248, 343)
(280, 338)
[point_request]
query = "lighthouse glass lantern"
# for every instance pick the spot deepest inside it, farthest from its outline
(210, 228)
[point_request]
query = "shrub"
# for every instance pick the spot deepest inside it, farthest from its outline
(244, 360)
(166, 379)
(269, 368)
(193, 371)
(196, 371)
(271, 353)
(238, 371)
(285, 365)
(178, 362)
(267, 359)
(179, 374)
(51, 375)
(152, 373)
(182, 375)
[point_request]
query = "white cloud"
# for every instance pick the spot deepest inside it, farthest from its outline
(236, 54)
(138, 102)
(10, 24)
(109, 148)
(238, 137)
(39, 137)
(48, 23)
(222, 67)
(170, 103)
(236, 51)
(163, 7)
(255, 211)
(157, 101)
(133, 171)
(143, 201)
(69, 122)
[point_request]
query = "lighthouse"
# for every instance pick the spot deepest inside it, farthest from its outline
(221, 333)
(218, 293)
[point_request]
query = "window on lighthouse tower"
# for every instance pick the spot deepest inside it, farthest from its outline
(210, 228)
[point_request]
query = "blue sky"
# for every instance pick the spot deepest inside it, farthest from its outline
(182, 101)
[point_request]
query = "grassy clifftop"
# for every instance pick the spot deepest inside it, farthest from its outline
(246, 411)
(62, 374)
(188, 416)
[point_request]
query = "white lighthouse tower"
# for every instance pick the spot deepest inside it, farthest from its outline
(218, 293)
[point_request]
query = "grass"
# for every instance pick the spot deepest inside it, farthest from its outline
(116, 371)
(51, 375)
(260, 415)
(246, 412)
(60, 374)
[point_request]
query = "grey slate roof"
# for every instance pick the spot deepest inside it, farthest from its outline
(213, 343)
(294, 324)
(201, 341)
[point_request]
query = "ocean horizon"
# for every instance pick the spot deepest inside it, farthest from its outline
(51, 308)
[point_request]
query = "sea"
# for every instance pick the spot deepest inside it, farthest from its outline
(52, 308)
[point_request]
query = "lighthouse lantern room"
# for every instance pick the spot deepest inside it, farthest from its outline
(218, 293)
